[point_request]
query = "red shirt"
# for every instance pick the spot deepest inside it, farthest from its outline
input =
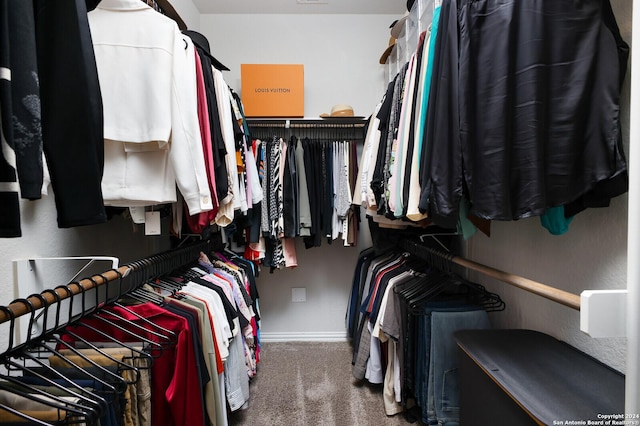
(175, 386)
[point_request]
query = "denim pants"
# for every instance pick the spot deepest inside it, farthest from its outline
(423, 346)
(443, 393)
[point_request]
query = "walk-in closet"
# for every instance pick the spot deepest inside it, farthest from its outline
(319, 212)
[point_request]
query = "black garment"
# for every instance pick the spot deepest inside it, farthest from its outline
(355, 209)
(412, 129)
(116, 401)
(441, 159)
(290, 191)
(10, 210)
(538, 128)
(248, 268)
(196, 337)
(377, 177)
(618, 184)
(327, 193)
(72, 124)
(313, 165)
(25, 96)
(254, 216)
(238, 135)
(217, 141)
(92, 4)
(230, 310)
(392, 137)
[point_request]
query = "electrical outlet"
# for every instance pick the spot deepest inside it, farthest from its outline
(298, 294)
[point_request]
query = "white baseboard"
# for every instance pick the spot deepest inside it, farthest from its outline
(305, 336)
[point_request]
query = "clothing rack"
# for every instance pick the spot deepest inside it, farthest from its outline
(437, 257)
(128, 276)
(329, 122)
(352, 128)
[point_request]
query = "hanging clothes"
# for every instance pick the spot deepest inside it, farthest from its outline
(149, 96)
(51, 102)
(458, 150)
(555, 140)
(401, 316)
(175, 384)
(217, 141)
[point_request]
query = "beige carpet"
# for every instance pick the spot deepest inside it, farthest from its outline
(310, 383)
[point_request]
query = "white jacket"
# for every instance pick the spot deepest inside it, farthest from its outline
(146, 69)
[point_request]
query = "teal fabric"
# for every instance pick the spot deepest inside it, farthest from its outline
(554, 220)
(465, 226)
(427, 79)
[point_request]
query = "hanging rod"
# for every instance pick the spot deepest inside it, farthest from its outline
(308, 123)
(18, 308)
(153, 266)
(560, 296)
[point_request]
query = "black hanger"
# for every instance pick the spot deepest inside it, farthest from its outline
(95, 315)
(76, 323)
(137, 277)
(92, 402)
(30, 392)
(122, 366)
(37, 346)
(106, 315)
(171, 336)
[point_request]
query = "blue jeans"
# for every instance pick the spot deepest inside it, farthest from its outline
(423, 346)
(443, 393)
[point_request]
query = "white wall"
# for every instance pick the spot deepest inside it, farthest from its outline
(591, 256)
(188, 12)
(42, 238)
(340, 54)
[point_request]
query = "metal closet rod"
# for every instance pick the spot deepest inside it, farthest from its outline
(152, 266)
(18, 308)
(560, 296)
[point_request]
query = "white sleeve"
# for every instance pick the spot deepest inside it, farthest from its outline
(253, 177)
(226, 125)
(186, 155)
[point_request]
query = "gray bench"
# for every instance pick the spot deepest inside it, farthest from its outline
(522, 377)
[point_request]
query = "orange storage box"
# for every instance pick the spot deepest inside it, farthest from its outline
(272, 90)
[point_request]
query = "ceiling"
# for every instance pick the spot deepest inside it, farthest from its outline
(302, 7)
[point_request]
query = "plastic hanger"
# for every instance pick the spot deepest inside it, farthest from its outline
(44, 336)
(53, 401)
(37, 346)
(91, 400)
(57, 328)
(105, 315)
(125, 330)
(171, 336)
(76, 323)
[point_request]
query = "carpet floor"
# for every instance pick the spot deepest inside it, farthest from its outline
(310, 383)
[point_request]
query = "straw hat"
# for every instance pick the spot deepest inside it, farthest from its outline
(339, 110)
(398, 25)
(387, 52)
